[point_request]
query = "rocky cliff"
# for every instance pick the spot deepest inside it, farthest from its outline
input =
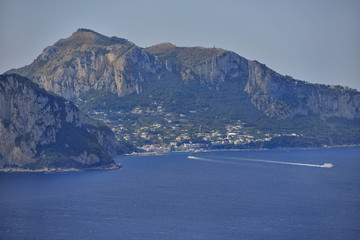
(210, 66)
(283, 97)
(39, 130)
(272, 93)
(88, 60)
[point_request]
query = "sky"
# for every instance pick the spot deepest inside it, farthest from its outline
(316, 41)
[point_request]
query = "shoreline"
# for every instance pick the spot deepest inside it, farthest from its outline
(115, 166)
(144, 154)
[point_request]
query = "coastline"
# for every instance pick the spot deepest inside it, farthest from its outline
(116, 166)
(144, 154)
(59, 170)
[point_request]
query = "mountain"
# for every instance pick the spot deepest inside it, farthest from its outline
(39, 130)
(166, 96)
(87, 60)
(276, 95)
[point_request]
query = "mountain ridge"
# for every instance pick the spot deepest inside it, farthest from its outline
(122, 80)
(267, 87)
(82, 62)
(94, 61)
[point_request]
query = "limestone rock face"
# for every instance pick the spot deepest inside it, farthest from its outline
(274, 94)
(218, 69)
(87, 60)
(282, 96)
(36, 129)
(208, 65)
(104, 136)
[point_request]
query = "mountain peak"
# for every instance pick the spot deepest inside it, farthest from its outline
(89, 37)
(214, 87)
(86, 30)
(165, 45)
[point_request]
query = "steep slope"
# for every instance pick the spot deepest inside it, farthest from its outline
(283, 97)
(275, 95)
(39, 130)
(166, 95)
(88, 60)
(210, 66)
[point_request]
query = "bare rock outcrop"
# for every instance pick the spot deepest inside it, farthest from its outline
(38, 130)
(88, 60)
(283, 97)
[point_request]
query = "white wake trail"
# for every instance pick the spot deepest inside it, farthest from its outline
(325, 165)
(211, 160)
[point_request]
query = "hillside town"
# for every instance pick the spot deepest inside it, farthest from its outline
(176, 132)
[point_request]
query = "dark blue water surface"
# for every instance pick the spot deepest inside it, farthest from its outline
(174, 197)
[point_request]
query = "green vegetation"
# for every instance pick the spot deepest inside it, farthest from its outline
(175, 108)
(184, 56)
(70, 141)
(171, 110)
(22, 138)
(6, 123)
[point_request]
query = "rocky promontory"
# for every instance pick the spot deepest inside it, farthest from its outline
(39, 130)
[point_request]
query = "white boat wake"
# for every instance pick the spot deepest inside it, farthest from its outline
(325, 165)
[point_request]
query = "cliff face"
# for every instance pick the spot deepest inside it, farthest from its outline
(208, 65)
(104, 136)
(217, 70)
(282, 96)
(40, 130)
(87, 60)
(276, 95)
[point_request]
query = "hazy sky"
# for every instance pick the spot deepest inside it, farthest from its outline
(312, 40)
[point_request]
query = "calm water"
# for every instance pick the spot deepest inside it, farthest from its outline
(174, 197)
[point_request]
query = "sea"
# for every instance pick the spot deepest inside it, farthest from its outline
(270, 194)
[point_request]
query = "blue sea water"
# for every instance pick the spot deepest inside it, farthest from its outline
(222, 196)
